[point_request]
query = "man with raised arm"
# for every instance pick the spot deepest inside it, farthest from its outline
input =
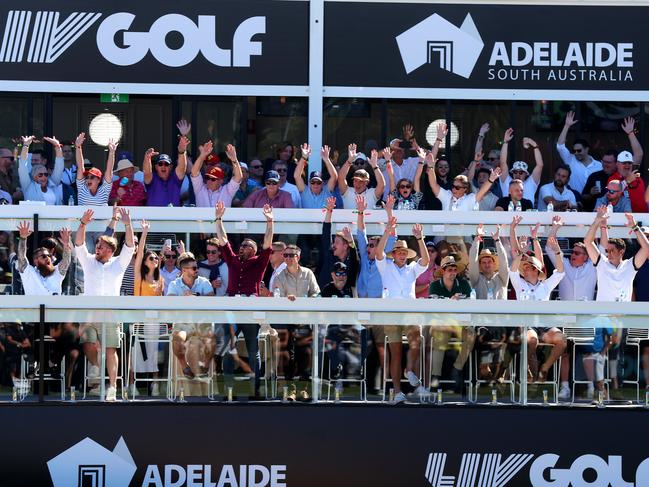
(399, 278)
(103, 275)
(212, 190)
(342, 249)
(581, 163)
(315, 193)
(163, 185)
(520, 169)
(361, 181)
(43, 278)
(615, 274)
(245, 272)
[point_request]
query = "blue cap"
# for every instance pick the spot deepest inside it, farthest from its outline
(125, 155)
(271, 175)
(163, 158)
(315, 175)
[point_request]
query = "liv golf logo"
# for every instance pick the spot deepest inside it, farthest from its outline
(490, 470)
(435, 40)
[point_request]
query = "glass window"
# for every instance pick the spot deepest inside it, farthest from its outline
(220, 122)
(278, 119)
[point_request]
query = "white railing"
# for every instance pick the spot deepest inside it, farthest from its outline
(304, 221)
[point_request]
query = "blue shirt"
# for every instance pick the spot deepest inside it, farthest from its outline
(369, 284)
(310, 200)
(622, 206)
(201, 287)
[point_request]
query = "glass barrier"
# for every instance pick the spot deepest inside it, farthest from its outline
(316, 350)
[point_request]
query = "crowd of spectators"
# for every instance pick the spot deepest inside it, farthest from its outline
(342, 264)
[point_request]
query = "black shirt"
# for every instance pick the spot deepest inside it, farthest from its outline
(588, 200)
(331, 290)
(504, 203)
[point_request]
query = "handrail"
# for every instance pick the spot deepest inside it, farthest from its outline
(304, 221)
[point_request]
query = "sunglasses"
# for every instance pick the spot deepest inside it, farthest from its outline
(256, 167)
(317, 183)
(161, 164)
(458, 187)
(612, 191)
(41, 174)
(281, 170)
(492, 159)
(153, 257)
(169, 256)
(577, 151)
(286, 256)
(340, 273)
(191, 268)
(211, 252)
(579, 253)
(371, 245)
(271, 183)
(518, 171)
(405, 186)
(43, 256)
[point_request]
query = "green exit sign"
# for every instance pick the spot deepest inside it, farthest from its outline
(113, 98)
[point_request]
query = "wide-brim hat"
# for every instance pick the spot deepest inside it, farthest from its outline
(534, 262)
(447, 261)
(402, 245)
(488, 253)
(123, 164)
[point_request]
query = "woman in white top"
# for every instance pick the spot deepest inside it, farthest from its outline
(90, 189)
(529, 281)
(35, 181)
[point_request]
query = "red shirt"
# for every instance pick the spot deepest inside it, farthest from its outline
(244, 276)
(135, 194)
(636, 192)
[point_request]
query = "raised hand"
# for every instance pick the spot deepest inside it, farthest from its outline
(219, 210)
(64, 236)
(553, 244)
(361, 204)
(231, 152)
(347, 234)
(495, 174)
(88, 216)
(480, 231)
(181, 247)
(534, 231)
(570, 119)
(126, 215)
(389, 168)
(150, 152)
(528, 142)
(496, 235)
(374, 158)
(408, 131)
(628, 125)
(557, 221)
(324, 152)
(306, 151)
(516, 220)
(442, 130)
(331, 203)
(602, 213)
(351, 150)
(478, 156)
(183, 142)
(184, 127)
(484, 129)
(268, 212)
(418, 230)
(145, 225)
(421, 152)
(509, 135)
(430, 160)
(116, 214)
(389, 202)
(24, 230)
(630, 220)
(27, 139)
(387, 154)
(81, 138)
(52, 140)
(206, 148)
(112, 145)
(391, 225)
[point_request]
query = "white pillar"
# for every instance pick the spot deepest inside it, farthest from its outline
(316, 79)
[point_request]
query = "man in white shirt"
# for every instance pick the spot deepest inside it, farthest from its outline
(103, 275)
(614, 274)
(361, 180)
(43, 278)
(212, 190)
(399, 282)
(558, 193)
(580, 161)
(520, 169)
(403, 167)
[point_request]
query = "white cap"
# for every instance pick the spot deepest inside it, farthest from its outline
(625, 156)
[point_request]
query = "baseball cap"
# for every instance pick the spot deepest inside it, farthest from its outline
(315, 175)
(163, 158)
(338, 267)
(360, 155)
(520, 166)
(362, 174)
(244, 165)
(212, 159)
(94, 171)
(271, 176)
(625, 156)
(215, 173)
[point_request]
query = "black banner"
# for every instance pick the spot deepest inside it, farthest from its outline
(486, 47)
(222, 42)
(183, 445)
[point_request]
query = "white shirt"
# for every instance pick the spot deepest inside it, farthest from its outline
(579, 282)
(34, 284)
(169, 276)
(551, 190)
(406, 170)
(274, 275)
(349, 198)
(449, 202)
(103, 279)
(207, 198)
(614, 283)
(580, 172)
(399, 281)
(294, 192)
(539, 292)
(529, 188)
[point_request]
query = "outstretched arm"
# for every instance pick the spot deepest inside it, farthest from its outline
(361, 206)
(601, 218)
(237, 173)
(110, 162)
(66, 258)
(553, 245)
(342, 175)
(538, 159)
(147, 167)
(536, 244)
(641, 255)
(504, 154)
(137, 265)
(570, 121)
(181, 167)
(23, 232)
(484, 189)
(80, 236)
(391, 226)
(380, 180)
(299, 169)
(219, 211)
(629, 127)
(204, 151)
(418, 233)
(128, 232)
(78, 149)
(481, 135)
(268, 236)
(331, 169)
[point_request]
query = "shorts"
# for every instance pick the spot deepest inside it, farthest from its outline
(395, 332)
(200, 329)
(92, 334)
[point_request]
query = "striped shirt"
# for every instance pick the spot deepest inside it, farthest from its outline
(86, 199)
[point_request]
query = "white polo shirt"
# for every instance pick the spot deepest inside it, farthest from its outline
(539, 292)
(34, 284)
(614, 283)
(551, 190)
(349, 198)
(399, 281)
(103, 279)
(450, 202)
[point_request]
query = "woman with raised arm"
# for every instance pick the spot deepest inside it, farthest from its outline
(90, 189)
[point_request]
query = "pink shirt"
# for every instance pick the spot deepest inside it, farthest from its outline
(426, 278)
(259, 198)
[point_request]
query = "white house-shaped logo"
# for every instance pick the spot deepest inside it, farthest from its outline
(88, 464)
(435, 39)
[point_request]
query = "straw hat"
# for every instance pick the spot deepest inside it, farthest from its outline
(402, 245)
(488, 253)
(447, 261)
(534, 262)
